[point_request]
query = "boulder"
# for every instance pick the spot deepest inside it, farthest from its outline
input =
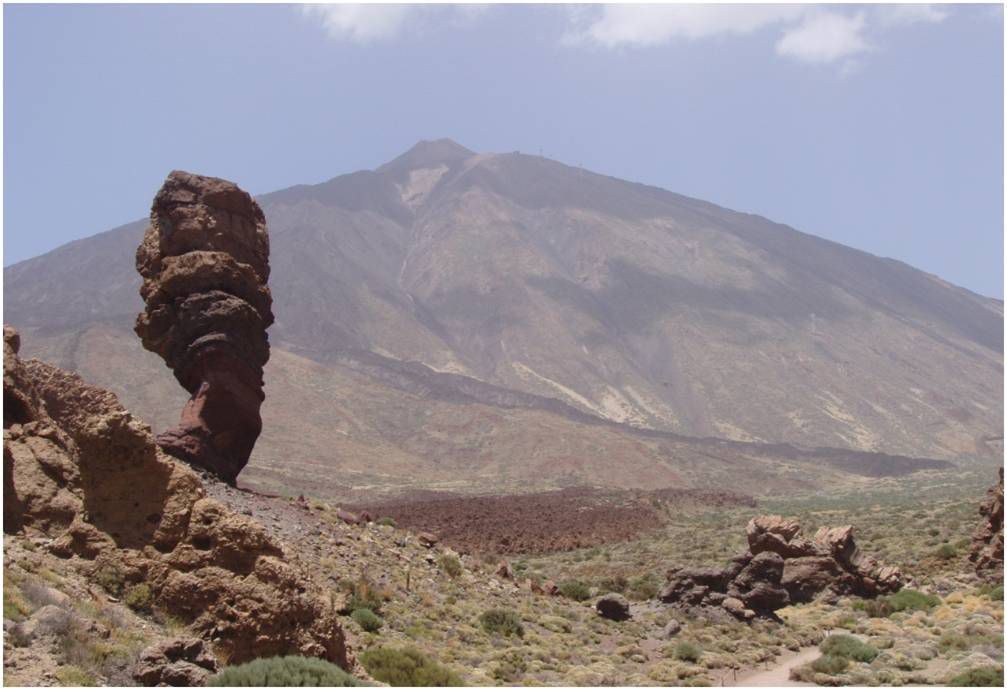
(427, 539)
(671, 629)
(737, 608)
(178, 662)
(771, 533)
(204, 261)
(806, 576)
(765, 597)
(766, 566)
(613, 607)
(504, 571)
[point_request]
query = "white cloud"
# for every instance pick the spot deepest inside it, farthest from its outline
(361, 23)
(806, 33)
(648, 25)
(381, 22)
(824, 37)
(899, 15)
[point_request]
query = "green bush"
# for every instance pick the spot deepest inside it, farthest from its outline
(829, 664)
(912, 600)
(686, 651)
(367, 619)
(386, 522)
(407, 667)
(848, 647)
(138, 598)
(451, 565)
(945, 552)
(502, 622)
(575, 589)
(988, 677)
(285, 671)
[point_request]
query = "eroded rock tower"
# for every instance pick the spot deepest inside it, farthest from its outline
(205, 266)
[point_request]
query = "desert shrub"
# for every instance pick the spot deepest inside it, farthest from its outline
(644, 587)
(451, 565)
(407, 667)
(950, 641)
(686, 651)
(39, 595)
(280, 671)
(363, 595)
(110, 578)
(367, 619)
(138, 598)
(945, 552)
(386, 521)
(510, 668)
(502, 622)
(15, 607)
(617, 583)
(555, 624)
(111, 659)
(912, 600)
(994, 592)
(876, 608)
(830, 664)
(575, 589)
(988, 677)
(848, 647)
(71, 676)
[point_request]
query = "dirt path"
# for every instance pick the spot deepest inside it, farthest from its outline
(776, 675)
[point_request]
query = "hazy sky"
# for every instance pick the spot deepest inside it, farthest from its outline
(878, 127)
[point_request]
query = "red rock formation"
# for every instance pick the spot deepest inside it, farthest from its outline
(782, 567)
(205, 266)
(80, 470)
(988, 541)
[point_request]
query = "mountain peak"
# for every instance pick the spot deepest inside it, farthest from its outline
(427, 154)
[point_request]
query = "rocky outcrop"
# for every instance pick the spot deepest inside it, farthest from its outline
(81, 471)
(781, 567)
(205, 266)
(987, 551)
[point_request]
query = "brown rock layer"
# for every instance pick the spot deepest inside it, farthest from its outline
(81, 470)
(988, 541)
(205, 265)
(782, 567)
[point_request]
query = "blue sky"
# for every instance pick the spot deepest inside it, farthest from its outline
(880, 127)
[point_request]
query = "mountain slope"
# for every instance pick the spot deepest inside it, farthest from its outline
(623, 301)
